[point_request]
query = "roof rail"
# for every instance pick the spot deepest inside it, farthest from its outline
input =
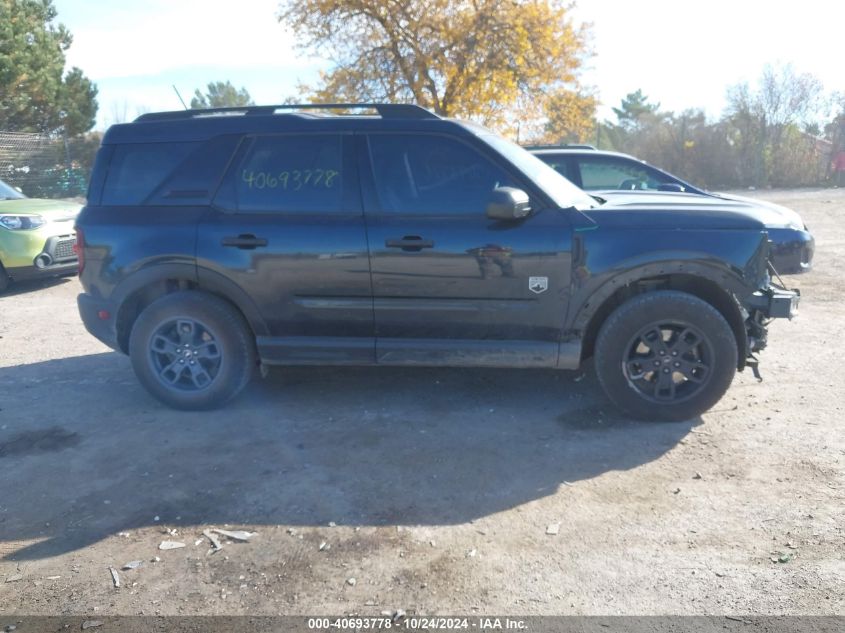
(562, 146)
(385, 110)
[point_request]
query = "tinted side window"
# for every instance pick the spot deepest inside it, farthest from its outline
(284, 174)
(136, 170)
(435, 175)
(195, 180)
(611, 173)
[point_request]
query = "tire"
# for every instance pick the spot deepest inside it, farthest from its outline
(659, 331)
(4, 280)
(192, 350)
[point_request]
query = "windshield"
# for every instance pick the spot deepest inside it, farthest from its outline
(7, 192)
(558, 188)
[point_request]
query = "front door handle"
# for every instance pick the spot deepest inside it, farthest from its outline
(245, 240)
(410, 243)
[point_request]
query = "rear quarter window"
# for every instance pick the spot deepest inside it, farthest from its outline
(137, 170)
(195, 180)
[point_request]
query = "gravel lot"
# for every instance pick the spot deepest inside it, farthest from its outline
(432, 488)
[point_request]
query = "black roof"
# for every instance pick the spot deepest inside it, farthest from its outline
(199, 125)
(384, 110)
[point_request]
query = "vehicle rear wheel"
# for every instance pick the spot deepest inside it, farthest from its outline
(665, 355)
(192, 350)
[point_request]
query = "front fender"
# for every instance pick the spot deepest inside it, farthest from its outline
(610, 260)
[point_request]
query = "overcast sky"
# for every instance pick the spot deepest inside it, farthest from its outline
(680, 57)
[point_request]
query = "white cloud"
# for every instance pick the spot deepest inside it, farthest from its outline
(125, 40)
(685, 55)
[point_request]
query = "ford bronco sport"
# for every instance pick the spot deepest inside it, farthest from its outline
(216, 241)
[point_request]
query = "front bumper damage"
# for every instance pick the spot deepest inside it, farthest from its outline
(775, 302)
(765, 305)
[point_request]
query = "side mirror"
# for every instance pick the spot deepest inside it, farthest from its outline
(508, 203)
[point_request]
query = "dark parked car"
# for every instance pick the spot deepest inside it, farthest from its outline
(626, 180)
(214, 241)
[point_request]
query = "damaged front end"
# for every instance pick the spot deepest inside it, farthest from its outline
(772, 300)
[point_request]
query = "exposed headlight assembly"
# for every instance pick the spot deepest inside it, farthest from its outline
(21, 222)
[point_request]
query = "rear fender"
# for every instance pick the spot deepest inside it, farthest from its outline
(147, 284)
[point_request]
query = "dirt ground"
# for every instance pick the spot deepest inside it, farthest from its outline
(428, 490)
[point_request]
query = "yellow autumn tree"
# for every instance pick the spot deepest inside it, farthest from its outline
(494, 61)
(570, 117)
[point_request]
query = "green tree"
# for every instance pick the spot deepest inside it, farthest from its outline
(633, 109)
(636, 118)
(220, 94)
(35, 94)
(497, 62)
(78, 102)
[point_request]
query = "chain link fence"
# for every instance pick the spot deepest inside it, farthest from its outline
(45, 166)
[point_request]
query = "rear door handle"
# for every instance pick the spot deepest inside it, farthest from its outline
(409, 243)
(246, 241)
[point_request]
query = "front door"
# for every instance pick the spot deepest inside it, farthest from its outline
(450, 285)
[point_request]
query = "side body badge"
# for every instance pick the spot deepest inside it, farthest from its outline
(538, 284)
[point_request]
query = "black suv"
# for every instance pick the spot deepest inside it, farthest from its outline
(216, 241)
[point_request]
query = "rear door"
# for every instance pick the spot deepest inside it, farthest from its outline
(287, 229)
(450, 285)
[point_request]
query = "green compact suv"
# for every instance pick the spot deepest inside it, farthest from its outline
(36, 237)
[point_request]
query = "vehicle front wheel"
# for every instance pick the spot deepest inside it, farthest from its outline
(665, 355)
(4, 279)
(192, 350)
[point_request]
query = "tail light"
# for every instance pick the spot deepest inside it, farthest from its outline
(79, 249)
